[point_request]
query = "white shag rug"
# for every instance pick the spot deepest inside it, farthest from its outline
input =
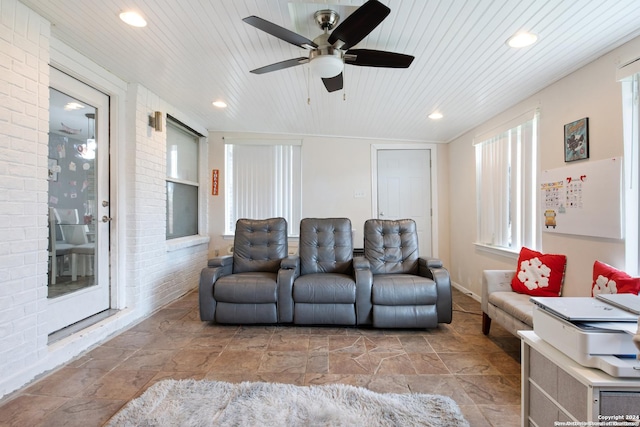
(190, 403)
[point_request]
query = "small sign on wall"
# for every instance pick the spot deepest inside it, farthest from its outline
(215, 173)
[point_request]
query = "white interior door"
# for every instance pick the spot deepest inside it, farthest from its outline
(78, 202)
(404, 190)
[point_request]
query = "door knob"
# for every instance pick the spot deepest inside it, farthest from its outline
(106, 219)
(381, 213)
(105, 203)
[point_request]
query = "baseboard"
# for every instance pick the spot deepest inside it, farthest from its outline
(466, 291)
(67, 348)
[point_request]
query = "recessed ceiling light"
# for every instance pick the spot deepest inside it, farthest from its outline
(219, 104)
(435, 116)
(73, 106)
(133, 18)
(522, 40)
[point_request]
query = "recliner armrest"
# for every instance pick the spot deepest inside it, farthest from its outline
(430, 262)
(361, 263)
(288, 273)
(364, 282)
(220, 261)
(290, 263)
(433, 269)
(208, 277)
(495, 281)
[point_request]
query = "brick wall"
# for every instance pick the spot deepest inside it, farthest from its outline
(160, 271)
(156, 271)
(24, 123)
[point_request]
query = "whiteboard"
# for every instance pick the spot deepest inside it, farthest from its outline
(583, 199)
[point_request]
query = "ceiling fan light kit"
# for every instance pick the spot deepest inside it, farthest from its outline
(329, 52)
(326, 66)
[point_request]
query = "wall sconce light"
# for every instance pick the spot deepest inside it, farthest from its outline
(155, 121)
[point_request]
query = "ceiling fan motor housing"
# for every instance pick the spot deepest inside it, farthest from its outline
(326, 19)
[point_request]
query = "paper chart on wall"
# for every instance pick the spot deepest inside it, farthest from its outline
(583, 199)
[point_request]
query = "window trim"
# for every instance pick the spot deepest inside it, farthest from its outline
(630, 87)
(201, 236)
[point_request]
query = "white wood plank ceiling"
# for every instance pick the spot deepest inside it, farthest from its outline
(196, 51)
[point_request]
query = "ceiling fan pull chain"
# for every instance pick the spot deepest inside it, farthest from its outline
(308, 84)
(344, 90)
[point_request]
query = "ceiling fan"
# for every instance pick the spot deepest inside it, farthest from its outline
(330, 51)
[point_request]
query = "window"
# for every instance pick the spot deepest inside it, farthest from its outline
(630, 79)
(262, 180)
(182, 180)
(506, 166)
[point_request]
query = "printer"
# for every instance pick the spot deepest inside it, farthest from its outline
(596, 332)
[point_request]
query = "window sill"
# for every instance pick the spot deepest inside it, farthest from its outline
(497, 250)
(186, 242)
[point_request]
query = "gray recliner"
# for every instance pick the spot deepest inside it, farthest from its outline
(407, 291)
(244, 287)
(322, 276)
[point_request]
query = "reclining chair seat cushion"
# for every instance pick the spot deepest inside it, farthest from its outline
(403, 289)
(325, 288)
(247, 288)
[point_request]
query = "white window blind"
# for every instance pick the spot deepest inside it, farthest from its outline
(506, 166)
(262, 180)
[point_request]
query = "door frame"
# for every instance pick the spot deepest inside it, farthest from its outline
(435, 224)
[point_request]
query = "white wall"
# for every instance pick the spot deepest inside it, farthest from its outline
(147, 271)
(332, 169)
(589, 92)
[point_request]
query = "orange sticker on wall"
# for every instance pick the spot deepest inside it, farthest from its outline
(214, 182)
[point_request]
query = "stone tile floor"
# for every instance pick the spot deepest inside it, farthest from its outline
(482, 374)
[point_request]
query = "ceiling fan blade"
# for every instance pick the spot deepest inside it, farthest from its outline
(281, 65)
(359, 24)
(377, 58)
(333, 83)
(280, 32)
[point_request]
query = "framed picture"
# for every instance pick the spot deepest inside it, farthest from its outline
(576, 140)
(53, 170)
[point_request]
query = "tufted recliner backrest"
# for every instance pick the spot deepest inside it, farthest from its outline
(326, 245)
(391, 246)
(259, 245)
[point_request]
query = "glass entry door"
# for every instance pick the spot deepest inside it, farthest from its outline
(79, 222)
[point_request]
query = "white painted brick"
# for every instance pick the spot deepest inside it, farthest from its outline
(4, 88)
(23, 246)
(11, 234)
(23, 95)
(26, 71)
(21, 20)
(21, 272)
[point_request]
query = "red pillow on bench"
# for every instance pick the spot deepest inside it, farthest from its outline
(609, 280)
(539, 274)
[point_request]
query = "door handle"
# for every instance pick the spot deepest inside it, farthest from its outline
(106, 218)
(381, 213)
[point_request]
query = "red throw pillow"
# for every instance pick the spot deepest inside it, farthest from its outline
(539, 274)
(609, 280)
